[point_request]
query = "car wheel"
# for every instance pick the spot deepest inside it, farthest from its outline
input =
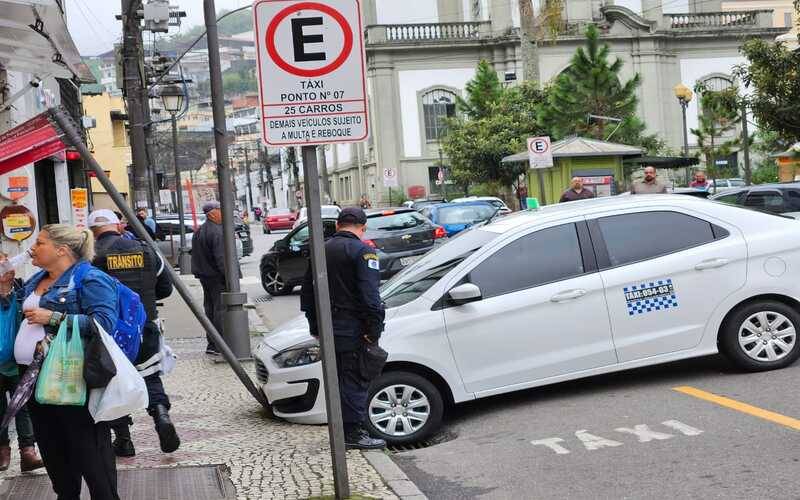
(761, 336)
(403, 408)
(265, 228)
(273, 282)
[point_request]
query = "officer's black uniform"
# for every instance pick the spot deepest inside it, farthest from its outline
(145, 275)
(357, 311)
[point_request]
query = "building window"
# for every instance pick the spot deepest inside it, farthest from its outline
(787, 19)
(437, 105)
(717, 82)
(119, 133)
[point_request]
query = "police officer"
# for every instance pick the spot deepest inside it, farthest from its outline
(144, 275)
(357, 310)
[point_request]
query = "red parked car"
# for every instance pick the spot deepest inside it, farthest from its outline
(279, 218)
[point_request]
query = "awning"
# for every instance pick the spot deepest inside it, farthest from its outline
(34, 39)
(32, 141)
(663, 161)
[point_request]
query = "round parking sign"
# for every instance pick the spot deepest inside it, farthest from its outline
(282, 21)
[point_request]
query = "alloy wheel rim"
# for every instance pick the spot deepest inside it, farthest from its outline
(399, 410)
(274, 281)
(767, 336)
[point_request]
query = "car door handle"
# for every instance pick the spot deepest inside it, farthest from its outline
(568, 295)
(711, 264)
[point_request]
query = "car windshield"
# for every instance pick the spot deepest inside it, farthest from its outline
(417, 278)
(402, 220)
(279, 211)
(330, 212)
(467, 214)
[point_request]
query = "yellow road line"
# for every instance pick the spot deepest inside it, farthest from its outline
(755, 411)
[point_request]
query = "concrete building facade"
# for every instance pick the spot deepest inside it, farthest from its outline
(416, 69)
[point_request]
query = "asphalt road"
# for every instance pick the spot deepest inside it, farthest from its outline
(579, 439)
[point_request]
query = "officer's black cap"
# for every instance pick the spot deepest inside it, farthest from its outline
(352, 215)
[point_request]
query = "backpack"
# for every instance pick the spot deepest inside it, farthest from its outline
(131, 315)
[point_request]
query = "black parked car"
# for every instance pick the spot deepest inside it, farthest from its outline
(783, 199)
(243, 231)
(399, 236)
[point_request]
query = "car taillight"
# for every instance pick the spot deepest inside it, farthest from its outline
(370, 243)
(439, 232)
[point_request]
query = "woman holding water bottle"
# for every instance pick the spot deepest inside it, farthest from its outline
(73, 446)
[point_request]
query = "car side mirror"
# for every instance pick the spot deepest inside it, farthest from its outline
(465, 293)
(281, 245)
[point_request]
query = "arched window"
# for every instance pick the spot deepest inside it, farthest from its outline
(717, 81)
(437, 105)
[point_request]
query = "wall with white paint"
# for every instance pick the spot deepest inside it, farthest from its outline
(411, 82)
(406, 11)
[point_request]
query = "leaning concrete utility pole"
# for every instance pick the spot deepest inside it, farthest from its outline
(132, 87)
(236, 328)
(73, 138)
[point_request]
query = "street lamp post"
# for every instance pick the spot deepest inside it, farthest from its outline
(172, 99)
(684, 95)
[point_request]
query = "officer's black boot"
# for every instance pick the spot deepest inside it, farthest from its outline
(123, 444)
(167, 435)
(357, 438)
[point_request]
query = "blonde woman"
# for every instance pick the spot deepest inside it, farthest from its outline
(72, 445)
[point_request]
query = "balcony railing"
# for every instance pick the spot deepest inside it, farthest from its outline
(429, 32)
(712, 20)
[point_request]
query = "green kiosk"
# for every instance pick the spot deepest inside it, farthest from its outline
(598, 163)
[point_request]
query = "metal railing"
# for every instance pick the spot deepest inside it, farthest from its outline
(718, 19)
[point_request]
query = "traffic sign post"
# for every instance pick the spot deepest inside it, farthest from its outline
(540, 156)
(313, 91)
(311, 71)
(390, 181)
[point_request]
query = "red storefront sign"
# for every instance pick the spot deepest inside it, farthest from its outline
(35, 139)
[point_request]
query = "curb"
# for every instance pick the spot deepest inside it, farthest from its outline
(393, 476)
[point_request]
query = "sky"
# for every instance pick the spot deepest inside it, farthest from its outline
(95, 29)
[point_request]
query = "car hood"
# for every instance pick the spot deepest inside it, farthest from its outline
(288, 334)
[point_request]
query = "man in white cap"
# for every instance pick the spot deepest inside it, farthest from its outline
(144, 274)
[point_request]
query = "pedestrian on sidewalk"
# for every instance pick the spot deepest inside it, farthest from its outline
(576, 191)
(9, 378)
(358, 314)
(73, 446)
(145, 275)
(650, 184)
(208, 266)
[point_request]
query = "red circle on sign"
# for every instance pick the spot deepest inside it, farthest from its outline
(273, 26)
(535, 144)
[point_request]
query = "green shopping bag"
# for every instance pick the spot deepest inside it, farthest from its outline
(61, 379)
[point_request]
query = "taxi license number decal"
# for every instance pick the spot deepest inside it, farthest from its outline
(648, 297)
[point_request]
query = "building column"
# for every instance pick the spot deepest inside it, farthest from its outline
(659, 71)
(449, 11)
(369, 13)
(700, 6)
(500, 14)
(386, 123)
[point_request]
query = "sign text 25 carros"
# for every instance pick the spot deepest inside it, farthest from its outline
(311, 71)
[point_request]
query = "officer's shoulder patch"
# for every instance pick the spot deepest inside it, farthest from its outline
(121, 261)
(370, 256)
(374, 264)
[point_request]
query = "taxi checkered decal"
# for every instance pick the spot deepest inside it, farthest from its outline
(652, 296)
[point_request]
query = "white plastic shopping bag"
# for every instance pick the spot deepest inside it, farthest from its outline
(125, 394)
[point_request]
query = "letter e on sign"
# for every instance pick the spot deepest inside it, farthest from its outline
(311, 71)
(539, 153)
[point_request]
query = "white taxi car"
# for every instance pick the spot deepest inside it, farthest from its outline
(568, 291)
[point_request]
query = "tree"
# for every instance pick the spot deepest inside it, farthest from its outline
(592, 86)
(718, 118)
(773, 74)
(483, 92)
(477, 146)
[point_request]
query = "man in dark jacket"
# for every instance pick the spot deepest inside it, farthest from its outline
(576, 191)
(208, 265)
(141, 269)
(358, 314)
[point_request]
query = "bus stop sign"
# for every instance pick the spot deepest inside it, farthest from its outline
(311, 71)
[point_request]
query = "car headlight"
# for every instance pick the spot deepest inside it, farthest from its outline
(299, 355)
